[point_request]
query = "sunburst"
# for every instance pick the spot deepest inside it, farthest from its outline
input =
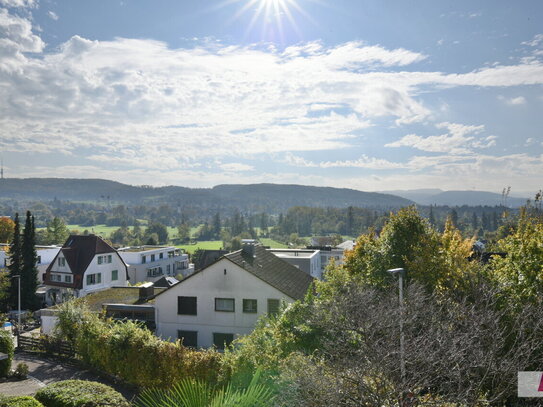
(270, 15)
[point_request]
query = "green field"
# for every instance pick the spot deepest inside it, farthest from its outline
(105, 231)
(272, 243)
(204, 245)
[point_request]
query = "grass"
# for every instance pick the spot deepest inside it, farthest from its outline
(204, 245)
(105, 231)
(272, 243)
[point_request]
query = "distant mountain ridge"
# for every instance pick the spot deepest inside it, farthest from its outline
(253, 197)
(457, 198)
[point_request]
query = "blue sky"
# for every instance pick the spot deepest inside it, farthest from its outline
(370, 95)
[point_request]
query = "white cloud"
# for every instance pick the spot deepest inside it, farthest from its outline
(18, 3)
(459, 139)
(515, 101)
(236, 167)
(52, 15)
(535, 41)
(363, 162)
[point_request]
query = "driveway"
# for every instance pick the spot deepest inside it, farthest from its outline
(44, 370)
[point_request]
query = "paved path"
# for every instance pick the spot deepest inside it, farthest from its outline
(43, 371)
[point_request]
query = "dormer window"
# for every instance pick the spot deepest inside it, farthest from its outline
(61, 262)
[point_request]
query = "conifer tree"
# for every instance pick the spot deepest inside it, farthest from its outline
(29, 271)
(15, 265)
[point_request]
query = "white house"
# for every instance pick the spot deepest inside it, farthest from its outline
(150, 263)
(225, 299)
(84, 264)
(307, 260)
(45, 254)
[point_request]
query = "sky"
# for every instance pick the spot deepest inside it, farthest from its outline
(365, 94)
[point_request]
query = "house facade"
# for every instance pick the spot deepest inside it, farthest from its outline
(84, 264)
(307, 260)
(150, 263)
(224, 300)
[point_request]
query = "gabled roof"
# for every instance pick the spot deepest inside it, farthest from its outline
(269, 268)
(276, 272)
(79, 251)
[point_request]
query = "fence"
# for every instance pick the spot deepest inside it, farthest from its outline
(45, 345)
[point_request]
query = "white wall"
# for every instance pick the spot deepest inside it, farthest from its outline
(137, 270)
(207, 285)
(105, 270)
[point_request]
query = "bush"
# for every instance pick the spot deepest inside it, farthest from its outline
(131, 352)
(6, 346)
(79, 393)
(21, 371)
(21, 401)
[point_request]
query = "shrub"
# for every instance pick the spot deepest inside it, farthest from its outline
(6, 346)
(21, 371)
(131, 352)
(21, 401)
(79, 393)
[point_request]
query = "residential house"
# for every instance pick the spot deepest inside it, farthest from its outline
(150, 263)
(46, 254)
(307, 260)
(133, 303)
(225, 299)
(328, 254)
(83, 265)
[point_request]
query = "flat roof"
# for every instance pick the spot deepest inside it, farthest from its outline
(304, 253)
(136, 249)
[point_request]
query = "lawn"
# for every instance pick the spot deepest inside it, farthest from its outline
(105, 231)
(272, 243)
(204, 245)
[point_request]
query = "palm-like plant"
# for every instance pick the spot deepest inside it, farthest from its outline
(196, 393)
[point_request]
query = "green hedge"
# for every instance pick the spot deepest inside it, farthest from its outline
(133, 353)
(80, 393)
(21, 401)
(6, 346)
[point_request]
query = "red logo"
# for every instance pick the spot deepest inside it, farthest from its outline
(540, 388)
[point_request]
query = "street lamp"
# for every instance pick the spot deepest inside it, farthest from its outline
(401, 274)
(18, 277)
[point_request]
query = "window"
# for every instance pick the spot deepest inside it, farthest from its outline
(189, 338)
(143, 259)
(154, 271)
(186, 305)
(61, 261)
(114, 275)
(221, 340)
(152, 257)
(39, 259)
(100, 259)
(56, 277)
(94, 279)
(161, 256)
(67, 279)
(170, 255)
(224, 304)
(109, 258)
(273, 306)
(168, 269)
(249, 306)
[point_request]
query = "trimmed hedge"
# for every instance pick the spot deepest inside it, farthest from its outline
(80, 393)
(21, 401)
(6, 346)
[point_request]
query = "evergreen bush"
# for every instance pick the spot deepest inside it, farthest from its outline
(80, 393)
(20, 401)
(6, 346)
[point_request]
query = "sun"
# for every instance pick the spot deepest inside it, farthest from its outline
(270, 16)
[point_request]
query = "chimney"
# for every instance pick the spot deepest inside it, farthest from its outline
(248, 247)
(146, 291)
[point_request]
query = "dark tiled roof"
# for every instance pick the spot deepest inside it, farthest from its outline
(165, 282)
(79, 251)
(276, 272)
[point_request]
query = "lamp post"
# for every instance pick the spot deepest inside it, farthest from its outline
(401, 273)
